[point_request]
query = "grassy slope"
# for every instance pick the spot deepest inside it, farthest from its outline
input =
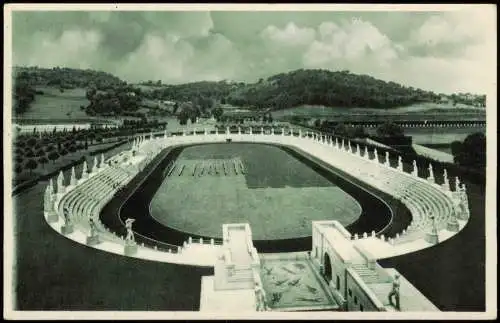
(56, 105)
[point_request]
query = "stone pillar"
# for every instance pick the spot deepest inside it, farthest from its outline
(300, 133)
(95, 168)
(205, 131)
(431, 174)
(415, 169)
(387, 162)
(102, 161)
(216, 131)
(366, 155)
(400, 163)
(358, 150)
(452, 224)
(85, 173)
(239, 130)
(251, 132)
(375, 155)
(60, 183)
(261, 130)
(446, 182)
(272, 131)
(432, 236)
(336, 142)
(282, 131)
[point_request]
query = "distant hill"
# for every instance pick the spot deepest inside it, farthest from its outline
(306, 87)
(66, 78)
(327, 88)
(108, 95)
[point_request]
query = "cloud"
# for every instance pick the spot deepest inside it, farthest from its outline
(442, 51)
(354, 41)
(291, 35)
(74, 47)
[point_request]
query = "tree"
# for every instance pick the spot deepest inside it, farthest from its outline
(390, 129)
(359, 132)
(472, 152)
(317, 123)
(31, 142)
(63, 152)
(456, 149)
(53, 155)
(340, 129)
(43, 160)
(217, 113)
(31, 164)
(40, 152)
(29, 153)
(18, 168)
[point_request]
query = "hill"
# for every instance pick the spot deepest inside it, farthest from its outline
(107, 95)
(328, 88)
(66, 78)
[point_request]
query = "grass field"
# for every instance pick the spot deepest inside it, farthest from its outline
(279, 197)
(56, 105)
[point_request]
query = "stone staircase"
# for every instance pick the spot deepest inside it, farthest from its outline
(368, 275)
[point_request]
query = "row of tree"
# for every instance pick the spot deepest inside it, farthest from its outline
(471, 152)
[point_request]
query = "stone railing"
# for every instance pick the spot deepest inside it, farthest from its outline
(338, 153)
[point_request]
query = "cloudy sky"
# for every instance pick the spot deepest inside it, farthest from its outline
(440, 51)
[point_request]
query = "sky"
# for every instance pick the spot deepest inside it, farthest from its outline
(445, 52)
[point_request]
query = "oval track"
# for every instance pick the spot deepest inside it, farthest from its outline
(381, 212)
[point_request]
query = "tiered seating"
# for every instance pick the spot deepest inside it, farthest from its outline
(422, 198)
(86, 200)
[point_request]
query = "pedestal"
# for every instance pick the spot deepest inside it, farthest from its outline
(452, 225)
(93, 240)
(432, 237)
(52, 217)
(463, 215)
(67, 229)
(130, 249)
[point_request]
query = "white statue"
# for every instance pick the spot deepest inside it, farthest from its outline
(130, 234)
(47, 199)
(93, 227)
(60, 185)
(67, 218)
(73, 177)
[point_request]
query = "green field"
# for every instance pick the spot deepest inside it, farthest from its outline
(277, 195)
(56, 105)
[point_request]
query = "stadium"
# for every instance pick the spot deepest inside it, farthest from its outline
(254, 219)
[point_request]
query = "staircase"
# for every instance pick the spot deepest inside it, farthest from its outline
(241, 275)
(368, 275)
